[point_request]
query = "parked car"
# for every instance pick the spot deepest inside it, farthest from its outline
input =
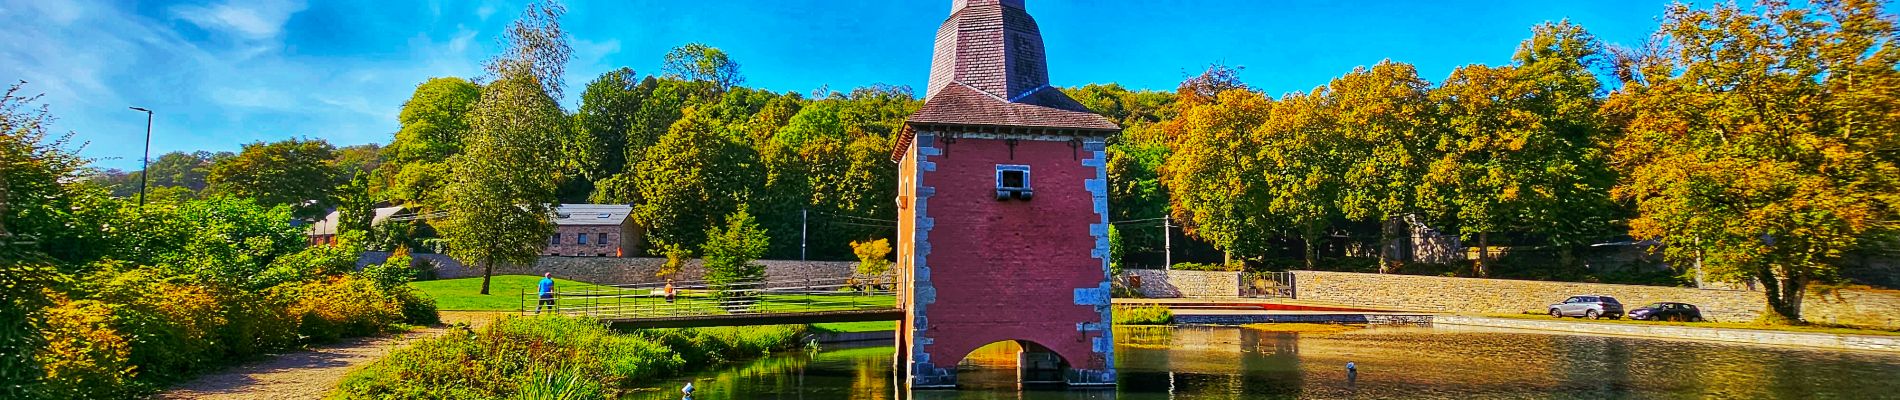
(1588, 306)
(1667, 312)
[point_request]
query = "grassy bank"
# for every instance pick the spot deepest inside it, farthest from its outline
(1808, 328)
(464, 294)
(854, 327)
(1143, 315)
(553, 357)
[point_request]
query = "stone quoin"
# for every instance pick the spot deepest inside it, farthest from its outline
(1003, 210)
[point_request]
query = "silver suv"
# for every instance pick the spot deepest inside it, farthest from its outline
(1588, 306)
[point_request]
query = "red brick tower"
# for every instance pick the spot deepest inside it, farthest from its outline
(1003, 210)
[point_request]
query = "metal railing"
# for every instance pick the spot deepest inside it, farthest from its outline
(702, 298)
(1267, 285)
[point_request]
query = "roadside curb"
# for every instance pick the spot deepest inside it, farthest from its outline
(1727, 335)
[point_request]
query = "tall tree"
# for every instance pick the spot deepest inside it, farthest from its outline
(730, 251)
(1384, 124)
(434, 126)
(692, 177)
(503, 183)
(300, 173)
(608, 107)
(699, 62)
(1762, 140)
(1521, 149)
(1213, 173)
(1299, 169)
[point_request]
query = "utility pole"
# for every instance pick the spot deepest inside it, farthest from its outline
(1167, 243)
(804, 220)
(147, 162)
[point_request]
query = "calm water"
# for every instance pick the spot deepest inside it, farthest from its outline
(1406, 362)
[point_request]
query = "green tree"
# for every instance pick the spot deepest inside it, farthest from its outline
(1384, 124)
(506, 178)
(699, 62)
(695, 174)
(434, 125)
(1521, 149)
(1299, 174)
(1761, 141)
(729, 253)
(299, 173)
(355, 211)
(608, 108)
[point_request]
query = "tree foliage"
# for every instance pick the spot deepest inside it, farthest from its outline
(699, 62)
(730, 252)
(506, 179)
(300, 173)
(1761, 140)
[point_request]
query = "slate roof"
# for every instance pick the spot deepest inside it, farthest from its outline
(591, 214)
(989, 70)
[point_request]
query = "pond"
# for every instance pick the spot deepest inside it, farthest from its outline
(1393, 362)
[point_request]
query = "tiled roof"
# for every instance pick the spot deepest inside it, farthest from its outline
(591, 214)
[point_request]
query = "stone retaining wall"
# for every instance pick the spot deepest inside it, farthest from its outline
(619, 271)
(1876, 308)
(1804, 339)
(1179, 283)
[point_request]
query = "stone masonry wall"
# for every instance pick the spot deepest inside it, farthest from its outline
(1177, 283)
(620, 271)
(1878, 308)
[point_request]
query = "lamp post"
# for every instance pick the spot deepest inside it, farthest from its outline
(145, 163)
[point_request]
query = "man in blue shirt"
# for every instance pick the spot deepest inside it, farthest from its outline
(547, 292)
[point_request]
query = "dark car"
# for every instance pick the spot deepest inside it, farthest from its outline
(1588, 306)
(1667, 312)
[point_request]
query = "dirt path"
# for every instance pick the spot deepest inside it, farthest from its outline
(308, 374)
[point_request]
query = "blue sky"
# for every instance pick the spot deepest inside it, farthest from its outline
(228, 72)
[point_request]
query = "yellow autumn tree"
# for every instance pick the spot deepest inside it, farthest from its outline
(1761, 140)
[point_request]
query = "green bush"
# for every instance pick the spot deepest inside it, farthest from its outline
(552, 357)
(1143, 315)
(83, 357)
(342, 307)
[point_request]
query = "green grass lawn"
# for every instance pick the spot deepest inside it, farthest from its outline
(1810, 328)
(464, 294)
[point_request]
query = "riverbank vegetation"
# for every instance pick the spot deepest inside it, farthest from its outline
(104, 297)
(1152, 314)
(554, 357)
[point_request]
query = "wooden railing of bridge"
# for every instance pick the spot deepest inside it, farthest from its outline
(702, 303)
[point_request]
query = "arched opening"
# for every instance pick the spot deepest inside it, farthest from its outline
(1011, 364)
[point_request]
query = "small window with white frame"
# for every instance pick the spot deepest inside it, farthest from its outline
(1012, 181)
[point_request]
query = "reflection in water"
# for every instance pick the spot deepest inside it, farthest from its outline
(1399, 362)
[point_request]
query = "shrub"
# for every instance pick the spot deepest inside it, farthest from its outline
(1143, 315)
(552, 357)
(83, 357)
(342, 307)
(729, 254)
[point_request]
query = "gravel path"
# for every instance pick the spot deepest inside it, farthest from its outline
(308, 374)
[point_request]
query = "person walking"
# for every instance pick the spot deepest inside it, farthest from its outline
(669, 290)
(547, 293)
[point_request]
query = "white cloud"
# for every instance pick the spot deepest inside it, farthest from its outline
(256, 19)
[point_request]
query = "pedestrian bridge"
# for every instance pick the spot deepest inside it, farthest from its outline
(701, 303)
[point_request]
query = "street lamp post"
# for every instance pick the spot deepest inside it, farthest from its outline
(145, 163)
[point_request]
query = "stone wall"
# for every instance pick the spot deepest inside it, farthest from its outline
(1878, 308)
(619, 271)
(1178, 283)
(1752, 336)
